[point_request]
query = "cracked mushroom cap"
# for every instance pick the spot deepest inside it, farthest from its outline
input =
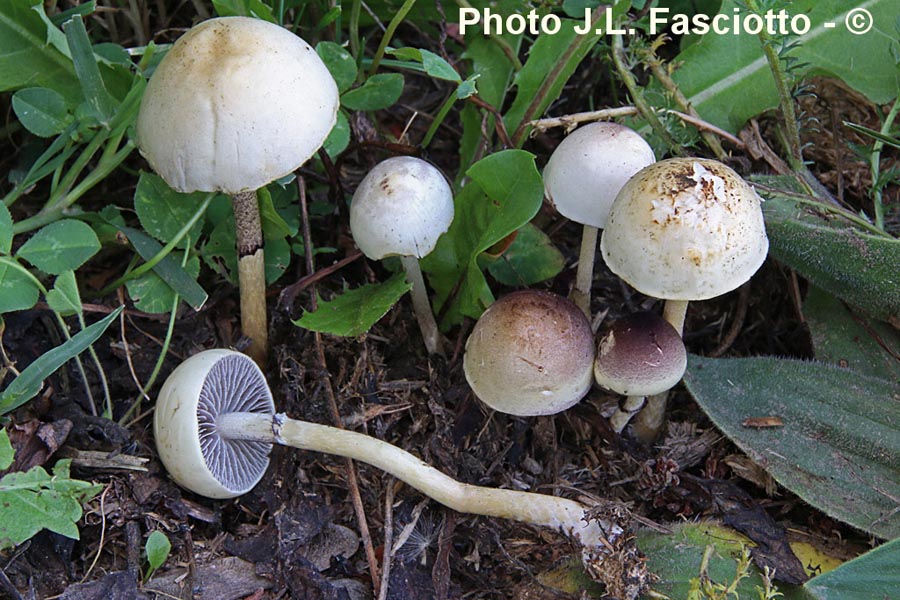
(531, 353)
(235, 104)
(590, 166)
(640, 355)
(209, 384)
(401, 208)
(685, 229)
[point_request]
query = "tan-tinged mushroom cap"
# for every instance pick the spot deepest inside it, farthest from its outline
(235, 104)
(531, 353)
(685, 229)
(640, 355)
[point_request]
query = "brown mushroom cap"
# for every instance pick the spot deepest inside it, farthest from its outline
(640, 355)
(531, 353)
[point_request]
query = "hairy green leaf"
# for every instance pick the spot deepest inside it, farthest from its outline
(873, 575)
(61, 246)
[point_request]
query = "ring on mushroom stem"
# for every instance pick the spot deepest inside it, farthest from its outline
(683, 229)
(215, 425)
(235, 104)
(530, 353)
(401, 208)
(581, 179)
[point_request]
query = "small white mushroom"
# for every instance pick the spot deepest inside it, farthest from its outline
(401, 208)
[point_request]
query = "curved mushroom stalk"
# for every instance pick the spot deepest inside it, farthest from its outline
(215, 426)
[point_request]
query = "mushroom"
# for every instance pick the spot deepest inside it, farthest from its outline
(582, 178)
(683, 229)
(234, 105)
(401, 208)
(215, 425)
(641, 355)
(530, 353)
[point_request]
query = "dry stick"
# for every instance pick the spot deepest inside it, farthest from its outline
(352, 482)
(388, 540)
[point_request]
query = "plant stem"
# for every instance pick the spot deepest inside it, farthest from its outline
(439, 118)
(421, 305)
(251, 274)
(389, 33)
(875, 165)
(584, 275)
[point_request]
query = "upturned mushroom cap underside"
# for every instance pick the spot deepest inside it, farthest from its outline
(590, 166)
(685, 229)
(640, 355)
(235, 104)
(401, 208)
(531, 353)
(207, 385)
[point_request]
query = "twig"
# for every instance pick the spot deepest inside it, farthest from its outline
(322, 365)
(388, 540)
(289, 293)
(499, 125)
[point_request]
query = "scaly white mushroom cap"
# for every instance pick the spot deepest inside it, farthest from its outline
(685, 229)
(590, 166)
(530, 353)
(199, 390)
(401, 208)
(235, 104)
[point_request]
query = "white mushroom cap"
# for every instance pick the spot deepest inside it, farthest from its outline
(530, 353)
(209, 384)
(401, 208)
(685, 229)
(640, 355)
(235, 104)
(590, 166)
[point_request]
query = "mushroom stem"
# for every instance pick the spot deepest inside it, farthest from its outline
(251, 273)
(649, 421)
(623, 415)
(584, 275)
(422, 306)
(557, 513)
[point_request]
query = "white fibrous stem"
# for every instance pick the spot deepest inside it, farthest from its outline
(561, 514)
(649, 421)
(623, 415)
(584, 275)
(422, 306)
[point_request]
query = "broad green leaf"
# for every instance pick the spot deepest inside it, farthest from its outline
(7, 453)
(277, 258)
(152, 294)
(874, 575)
(843, 338)
(530, 259)
(504, 192)
(355, 311)
(157, 549)
(339, 137)
(61, 246)
(27, 385)
(162, 211)
(64, 297)
(339, 62)
(273, 225)
(855, 265)
(101, 103)
(41, 111)
(168, 269)
(17, 290)
(379, 91)
(26, 57)
(6, 230)
(839, 446)
(727, 78)
(35, 500)
(434, 65)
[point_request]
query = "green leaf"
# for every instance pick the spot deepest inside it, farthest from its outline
(61, 246)
(244, 8)
(855, 265)
(101, 103)
(7, 453)
(152, 294)
(843, 338)
(41, 111)
(27, 385)
(530, 259)
(504, 192)
(26, 59)
(163, 212)
(841, 431)
(434, 65)
(339, 62)
(379, 91)
(339, 137)
(17, 290)
(277, 258)
(35, 500)
(6, 230)
(64, 297)
(157, 549)
(168, 269)
(355, 311)
(870, 576)
(273, 224)
(727, 78)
